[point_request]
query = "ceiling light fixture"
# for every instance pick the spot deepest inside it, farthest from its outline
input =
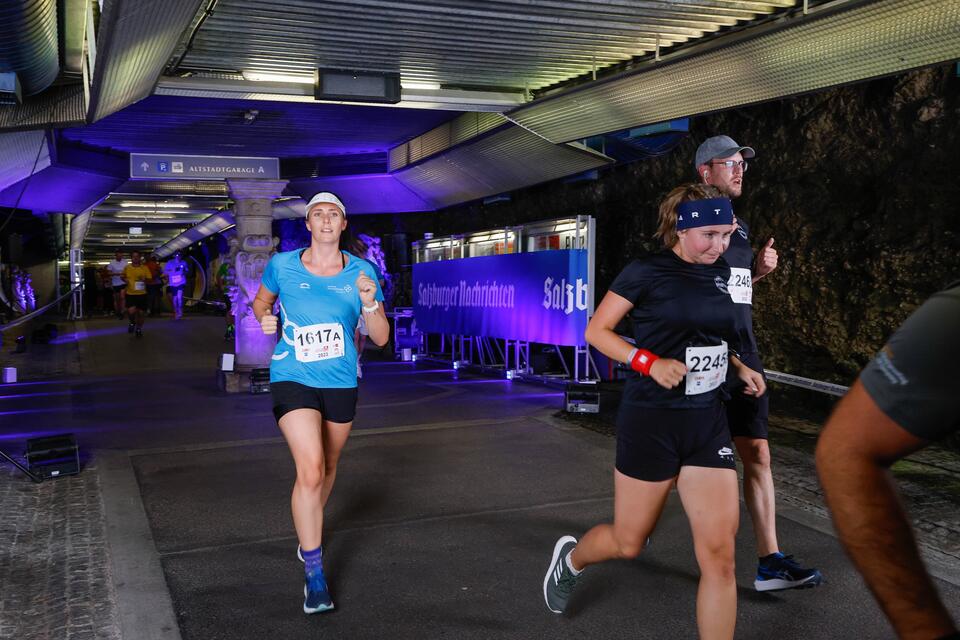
(416, 84)
(155, 205)
(266, 76)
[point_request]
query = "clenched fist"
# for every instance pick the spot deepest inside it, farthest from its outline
(367, 289)
(268, 323)
(668, 372)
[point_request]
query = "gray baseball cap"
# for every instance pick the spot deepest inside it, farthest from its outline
(720, 147)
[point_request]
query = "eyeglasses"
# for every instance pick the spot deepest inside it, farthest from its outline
(730, 164)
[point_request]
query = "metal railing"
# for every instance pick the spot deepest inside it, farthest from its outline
(807, 383)
(34, 314)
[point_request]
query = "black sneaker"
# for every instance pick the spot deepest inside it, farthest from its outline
(139, 332)
(559, 582)
(777, 571)
(131, 327)
(316, 595)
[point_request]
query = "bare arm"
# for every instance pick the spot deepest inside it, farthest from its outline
(855, 450)
(600, 333)
(263, 309)
(378, 327)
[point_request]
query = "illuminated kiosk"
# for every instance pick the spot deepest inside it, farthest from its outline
(484, 298)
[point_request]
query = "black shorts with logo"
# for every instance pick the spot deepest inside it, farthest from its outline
(747, 415)
(138, 301)
(335, 405)
(653, 444)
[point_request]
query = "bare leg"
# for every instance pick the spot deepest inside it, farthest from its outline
(758, 492)
(334, 437)
(302, 430)
(636, 509)
(709, 497)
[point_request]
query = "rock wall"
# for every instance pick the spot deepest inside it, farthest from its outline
(858, 185)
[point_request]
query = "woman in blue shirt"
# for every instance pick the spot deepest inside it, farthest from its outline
(321, 293)
(671, 427)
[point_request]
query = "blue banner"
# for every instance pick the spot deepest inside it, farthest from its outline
(540, 296)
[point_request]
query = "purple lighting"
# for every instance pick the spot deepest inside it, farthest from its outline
(83, 335)
(373, 193)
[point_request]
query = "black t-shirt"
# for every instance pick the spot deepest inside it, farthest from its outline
(914, 378)
(739, 255)
(676, 305)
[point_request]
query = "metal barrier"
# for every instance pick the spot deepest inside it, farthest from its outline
(33, 314)
(807, 383)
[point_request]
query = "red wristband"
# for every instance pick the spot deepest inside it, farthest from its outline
(642, 361)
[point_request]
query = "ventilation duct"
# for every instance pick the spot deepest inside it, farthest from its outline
(439, 139)
(829, 47)
(506, 159)
(28, 42)
(292, 208)
(23, 154)
(214, 224)
(135, 40)
(78, 229)
(59, 106)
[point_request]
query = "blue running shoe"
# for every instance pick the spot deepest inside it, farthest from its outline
(777, 571)
(316, 596)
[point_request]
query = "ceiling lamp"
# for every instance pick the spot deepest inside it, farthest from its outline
(266, 76)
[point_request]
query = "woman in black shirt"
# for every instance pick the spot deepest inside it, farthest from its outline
(671, 426)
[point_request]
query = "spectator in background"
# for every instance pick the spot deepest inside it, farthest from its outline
(154, 286)
(175, 272)
(115, 267)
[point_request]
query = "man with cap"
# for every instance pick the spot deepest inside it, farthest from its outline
(321, 292)
(721, 162)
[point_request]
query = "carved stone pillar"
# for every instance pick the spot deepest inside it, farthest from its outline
(253, 211)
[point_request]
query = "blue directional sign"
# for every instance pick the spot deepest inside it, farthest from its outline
(176, 166)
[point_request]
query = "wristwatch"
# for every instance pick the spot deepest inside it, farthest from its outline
(373, 307)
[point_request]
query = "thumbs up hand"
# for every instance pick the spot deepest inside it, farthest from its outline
(766, 260)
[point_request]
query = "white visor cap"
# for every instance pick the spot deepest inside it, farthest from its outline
(325, 196)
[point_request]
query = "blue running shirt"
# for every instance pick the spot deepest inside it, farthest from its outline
(318, 315)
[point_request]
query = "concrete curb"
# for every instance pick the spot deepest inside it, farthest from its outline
(145, 610)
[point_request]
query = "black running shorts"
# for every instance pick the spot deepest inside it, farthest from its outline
(747, 415)
(138, 301)
(653, 444)
(335, 405)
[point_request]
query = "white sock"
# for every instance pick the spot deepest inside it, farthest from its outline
(570, 564)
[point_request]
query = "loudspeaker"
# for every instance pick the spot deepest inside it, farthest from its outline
(579, 399)
(53, 456)
(356, 86)
(260, 381)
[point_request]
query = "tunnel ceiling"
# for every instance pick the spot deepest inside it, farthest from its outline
(187, 76)
(516, 44)
(205, 126)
